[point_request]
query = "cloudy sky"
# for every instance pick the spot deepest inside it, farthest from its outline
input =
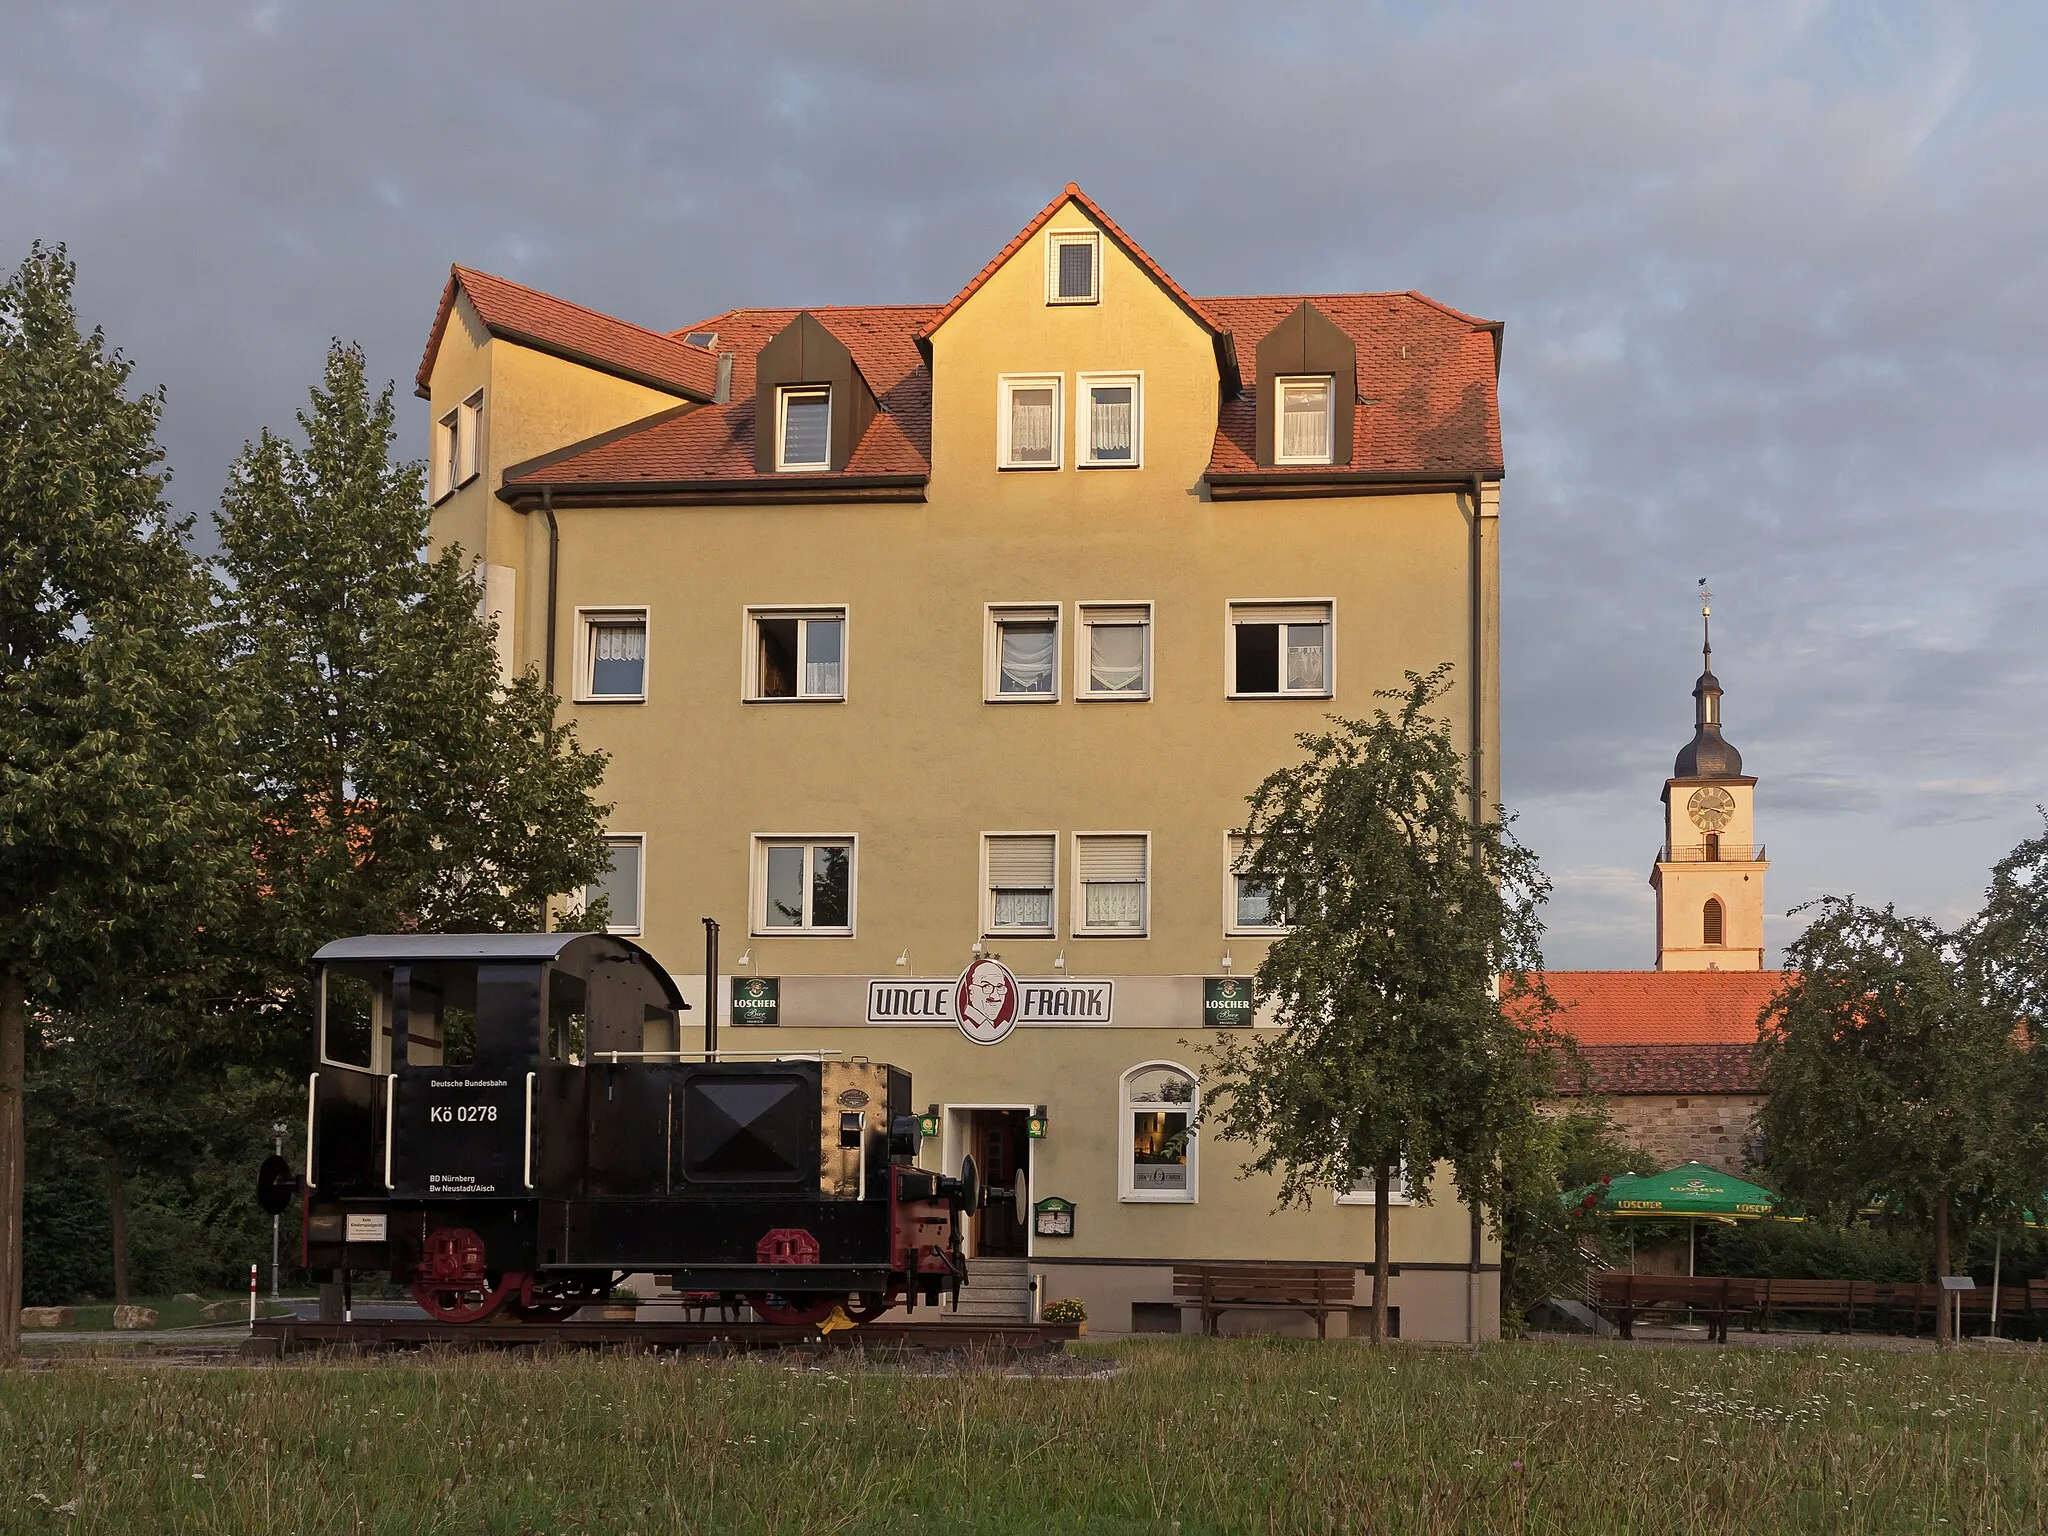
(1773, 277)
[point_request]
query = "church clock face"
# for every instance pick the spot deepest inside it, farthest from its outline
(1711, 808)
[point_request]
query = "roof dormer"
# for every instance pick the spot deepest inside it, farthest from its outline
(1298, 422)
(811, 404)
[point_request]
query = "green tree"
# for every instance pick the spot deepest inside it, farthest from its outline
(1548, 1243)
(1398, 1043)
(118, 845)
(398, 785)
(1896, 1075)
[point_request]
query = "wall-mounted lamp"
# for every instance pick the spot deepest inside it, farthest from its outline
(745, 959)
(977, 949)
(1035, 1126)
(1225, 961)
(1059, 961)
(904, 959)
(928, 1122)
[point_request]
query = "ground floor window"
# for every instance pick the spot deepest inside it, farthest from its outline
(1398, 1190)
(1158, 1106)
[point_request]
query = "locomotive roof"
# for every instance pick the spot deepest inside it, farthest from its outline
(501, 947)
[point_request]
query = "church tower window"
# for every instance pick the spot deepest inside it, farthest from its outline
(1711, 922)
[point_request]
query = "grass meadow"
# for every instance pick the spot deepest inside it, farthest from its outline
(1184, 1436)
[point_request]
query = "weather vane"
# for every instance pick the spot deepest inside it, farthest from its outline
(1706, 599)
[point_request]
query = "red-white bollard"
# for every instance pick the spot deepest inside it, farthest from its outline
(252, 1295)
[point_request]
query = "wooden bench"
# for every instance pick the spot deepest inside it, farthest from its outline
(1318, 1289)
(1841, 1298)
(1625, 1297)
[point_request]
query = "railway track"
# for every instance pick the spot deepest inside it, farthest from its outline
(274, 1338)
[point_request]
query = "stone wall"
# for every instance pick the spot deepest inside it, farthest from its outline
(1707, 1128)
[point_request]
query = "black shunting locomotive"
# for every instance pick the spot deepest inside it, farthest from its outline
(508, 1123)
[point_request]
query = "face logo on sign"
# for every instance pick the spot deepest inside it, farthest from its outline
(754, 986)
(1226, 988)
(985, 1001)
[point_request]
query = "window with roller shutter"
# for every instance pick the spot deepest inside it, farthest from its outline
(1018, 879)
(1111, 872)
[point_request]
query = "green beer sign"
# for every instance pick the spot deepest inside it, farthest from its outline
(1226, 1000)
(756, 1000)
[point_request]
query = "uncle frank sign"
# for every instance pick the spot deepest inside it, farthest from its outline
(985, 1001)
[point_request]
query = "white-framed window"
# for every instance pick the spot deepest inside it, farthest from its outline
(1301, 424)
(469, 439)
(796, 653)
(1248, 906)
(803, 426)
(1111, 880)
(624, 886)
(1398, 1190)
(1073, 266)
(1113, 651)
(1019, 873)
(1109, 420)
(1023, 653)
(611, 655)
(457, 456)
(803, 885)
(1281, 649)
(1028, 434)
(443, 462)
(1156, 1108)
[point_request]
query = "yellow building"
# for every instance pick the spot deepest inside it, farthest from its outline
(918, 634)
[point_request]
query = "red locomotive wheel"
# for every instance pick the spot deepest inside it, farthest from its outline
(800, 1312)
(458, 1303)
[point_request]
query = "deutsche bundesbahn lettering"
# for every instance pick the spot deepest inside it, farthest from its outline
(1039, 1002)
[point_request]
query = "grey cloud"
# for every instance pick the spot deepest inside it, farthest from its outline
(1775, 309)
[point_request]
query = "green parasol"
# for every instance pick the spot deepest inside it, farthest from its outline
(1691, 1191)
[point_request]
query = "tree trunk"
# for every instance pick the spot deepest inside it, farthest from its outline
(1382, 1192)
(1942, 1333)
(117, 1212)
(13, 1159)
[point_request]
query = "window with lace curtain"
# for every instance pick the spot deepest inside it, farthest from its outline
(1023, 657)
(796, 653)
(1109, 432)
(1303, 435)
(1115, 650)
(1281, 649)
(1028, 421)
(1111, 873)
(613, 665)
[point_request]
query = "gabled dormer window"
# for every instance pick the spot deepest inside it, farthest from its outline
(804, 427)
(1073, 267)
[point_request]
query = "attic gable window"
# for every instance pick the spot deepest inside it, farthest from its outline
(1304, 435)
(1073, 267)
(804, 428)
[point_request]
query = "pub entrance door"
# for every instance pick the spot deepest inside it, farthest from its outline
(1002, 1151)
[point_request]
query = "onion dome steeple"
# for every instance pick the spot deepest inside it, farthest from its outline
(1707, 756)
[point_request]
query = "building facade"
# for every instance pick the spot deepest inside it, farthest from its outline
(923, 635)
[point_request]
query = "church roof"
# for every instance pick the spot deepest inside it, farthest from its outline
(1661, 1007)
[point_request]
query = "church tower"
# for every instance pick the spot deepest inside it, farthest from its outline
(1709, 877)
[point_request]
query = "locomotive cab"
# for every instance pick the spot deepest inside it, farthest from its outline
(511, 1120)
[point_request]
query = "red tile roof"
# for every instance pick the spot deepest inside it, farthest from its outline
(1668, 1069)
(1427, 375)
(1427, 396)
(1661, 1007)
(548, 324)
(716, 443)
